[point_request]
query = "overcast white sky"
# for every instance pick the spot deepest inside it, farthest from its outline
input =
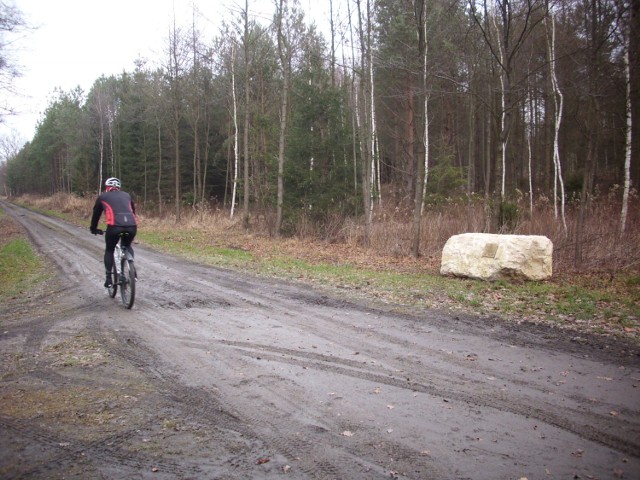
(74, 42)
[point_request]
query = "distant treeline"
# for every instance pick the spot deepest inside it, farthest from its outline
(407, 103)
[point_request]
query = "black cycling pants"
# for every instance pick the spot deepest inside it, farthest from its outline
(111, 237)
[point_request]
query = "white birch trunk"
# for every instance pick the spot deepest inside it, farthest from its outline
(235, 131)
(530, 172)
(426, 152)
(375, 158)
(627, 147)
(503, 115)
(558, 99)
(367, 153)
(529, 153)
(426, 118)
(372, 123)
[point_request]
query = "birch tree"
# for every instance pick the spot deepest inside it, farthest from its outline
(235, 128)
(422, 164)
(558, 100)
(624, 26)
(627, 147)
(97, 109)
(102, 108)
(375, 157)
(355, 103)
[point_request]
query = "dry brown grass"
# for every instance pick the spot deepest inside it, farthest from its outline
(9, 230)
(340, 240)
(60, 202)
(603, 248)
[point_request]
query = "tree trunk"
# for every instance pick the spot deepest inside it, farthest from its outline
(367, 154)
(176, 159)
(281, 152)
(558, 100)
(592, 128)
(634, 91)
(159, 184)
(175, 62)
(245, 138)
(284, 52)
(421, 162)
(235, 130)
(355, 110)
(626, 25)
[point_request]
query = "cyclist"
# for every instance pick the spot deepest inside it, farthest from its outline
(120, 213)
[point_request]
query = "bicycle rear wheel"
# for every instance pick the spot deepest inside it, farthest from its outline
(114, 282)
(128, 283)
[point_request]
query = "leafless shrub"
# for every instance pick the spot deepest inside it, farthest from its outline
(603, 247)
(60, 202)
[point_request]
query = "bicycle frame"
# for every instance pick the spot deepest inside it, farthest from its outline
(125, 274)
(117, 258)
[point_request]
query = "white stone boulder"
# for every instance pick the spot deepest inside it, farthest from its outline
(489, 256)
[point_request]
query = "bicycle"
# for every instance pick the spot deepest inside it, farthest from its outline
(124, 273)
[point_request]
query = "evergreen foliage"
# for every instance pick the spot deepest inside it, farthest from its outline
(138, 124)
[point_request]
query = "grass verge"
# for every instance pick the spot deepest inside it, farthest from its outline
(20, 267)
(598, 303)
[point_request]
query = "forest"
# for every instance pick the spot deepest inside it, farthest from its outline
(404, 107)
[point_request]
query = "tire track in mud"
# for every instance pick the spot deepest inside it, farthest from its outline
(467, 390)
(475, 393)
(65, 453)
(61, 447)
(65, 450)
(201, 404)
(296, 442)
(590, 426)
(58, 240)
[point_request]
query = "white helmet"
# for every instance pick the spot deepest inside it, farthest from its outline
(112, 182)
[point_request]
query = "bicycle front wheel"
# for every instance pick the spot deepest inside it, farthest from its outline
(128, 283)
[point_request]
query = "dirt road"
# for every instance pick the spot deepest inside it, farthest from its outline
(215, 374)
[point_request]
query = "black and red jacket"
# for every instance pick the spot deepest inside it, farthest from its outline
(118, 208)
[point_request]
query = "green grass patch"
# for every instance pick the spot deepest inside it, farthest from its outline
(194, 245)
(20, 268)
